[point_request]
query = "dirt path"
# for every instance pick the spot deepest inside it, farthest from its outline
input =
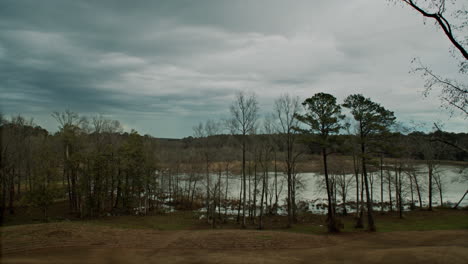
(81, 243)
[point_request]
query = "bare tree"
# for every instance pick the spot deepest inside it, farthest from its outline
(286, 109)
(439, 183)
(204, 131)
(435, 9)
(244, 112)
(453, 94)
(265, 156)
(413, 175)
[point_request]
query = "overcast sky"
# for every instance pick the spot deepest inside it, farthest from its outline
(161, 67)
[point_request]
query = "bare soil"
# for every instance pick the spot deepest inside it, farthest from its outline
(85, 243)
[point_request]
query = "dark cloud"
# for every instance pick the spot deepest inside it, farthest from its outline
(163, 66)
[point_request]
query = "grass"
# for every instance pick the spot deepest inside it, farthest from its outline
(439, 219)
(308, 229)
(32, 215)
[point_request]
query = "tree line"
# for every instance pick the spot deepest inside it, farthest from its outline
(99, 169)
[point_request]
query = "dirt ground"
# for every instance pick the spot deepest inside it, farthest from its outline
(84, 243)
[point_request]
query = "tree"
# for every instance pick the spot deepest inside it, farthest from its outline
(266, 151)
(323, 116)
(203, 132)
(440, 184)
(273, 139)
(71, 125)
(16, 157)
(132, 160)
(373, 120)
(244, 112)
(44, 188)
(436, 10)
(351, 145)
(343, 179)
(454, 95)
(286, 109)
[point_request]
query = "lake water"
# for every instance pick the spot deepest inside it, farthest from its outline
(313, 196)
(311, 192)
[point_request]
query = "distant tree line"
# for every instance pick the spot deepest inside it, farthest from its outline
(99, 169)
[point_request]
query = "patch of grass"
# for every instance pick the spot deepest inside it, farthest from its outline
(439, 219)
(308, 229)
(32, 215)
(172, 221)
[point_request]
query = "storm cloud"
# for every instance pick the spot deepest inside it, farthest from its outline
(163, 66)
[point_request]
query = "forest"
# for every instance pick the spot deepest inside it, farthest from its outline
(242, 168)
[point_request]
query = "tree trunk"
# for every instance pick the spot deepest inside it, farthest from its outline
(219, 191)
(418, 190)
(412, 192)
(207, 204)
(4, 192)
(289, 198)
(266, 184)
(244, 179)
(249, 203)
(459, 202)
(399, 192)
(371, 183)
(381, 184)
(11, 197)
(397, 189)
(260, 222)
(290, 183)
(390, 190)
(193, 193)
(240, 201)
(255, 194)
(343, 195)
(332, 227)
(359, 223)
(430, 187)
(370, 217)
(276, 186)
(440, 193)
(293, 196)
(18, 188)
(226, 194)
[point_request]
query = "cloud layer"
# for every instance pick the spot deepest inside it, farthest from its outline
(162, 67)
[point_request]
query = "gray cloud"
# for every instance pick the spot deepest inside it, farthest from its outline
(163, 66)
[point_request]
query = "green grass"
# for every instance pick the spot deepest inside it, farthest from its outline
(308, 229)
(439, 219)
(31, 215)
